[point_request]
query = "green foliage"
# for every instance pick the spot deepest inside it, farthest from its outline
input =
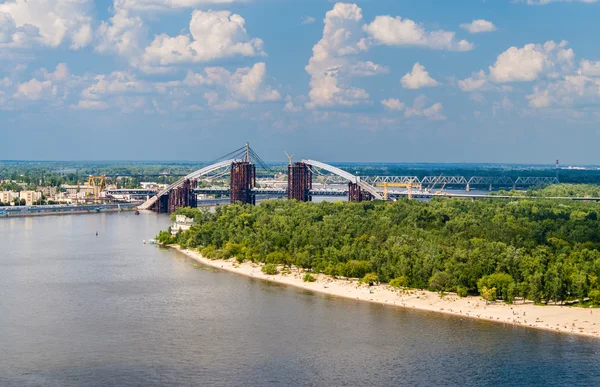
(594, 296)
(399, 282)
(462, 291)
(537, 249)
(502, 282)
(270, 269)
(488, 294)
(441, 281)
(369, 279)
(164, 238)
(308, 278)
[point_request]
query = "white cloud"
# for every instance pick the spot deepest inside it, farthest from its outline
(393, 104)
(308, 20)
(590, 68)
(290, 106)
(248, 84)
(525, 64)
(213, 35)
(476, 82)
(34, 90)
(330, 66)
(53, 86)
(46, 22)
(530, 62)
(90, 105)
(418, 78)
(478, 26)
(405, 32)
(124, 34)
(566, 92)
(232, 90)
(116, 83)
(162, 5)
(434, 112)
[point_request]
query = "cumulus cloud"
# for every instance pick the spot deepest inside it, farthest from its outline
(232, 90)
(329, 66)
(116, 83)
(419, 108)
(566, 92)
(46, 22)
(590, 68)
(418, 78)
(213, 35)
(397, 31)
(393, 104)
(478, 26)
(525, 64)
(53, 85)
(124, 34)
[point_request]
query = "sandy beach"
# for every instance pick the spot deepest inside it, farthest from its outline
(556, 318)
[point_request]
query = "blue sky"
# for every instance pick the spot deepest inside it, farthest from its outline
(373, 80)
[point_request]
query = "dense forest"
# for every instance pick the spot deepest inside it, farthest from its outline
(537, 249)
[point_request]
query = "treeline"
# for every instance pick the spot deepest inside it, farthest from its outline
(540, 250)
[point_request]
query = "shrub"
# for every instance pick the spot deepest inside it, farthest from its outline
(462, 291)
(399, 282)
(502, 282)
(308, 278)
(370, 279)
(488, 294)
(594, 296)
(441, 281)
(270, 269)
(357, 269)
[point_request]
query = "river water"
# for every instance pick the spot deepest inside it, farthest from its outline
(78, 309)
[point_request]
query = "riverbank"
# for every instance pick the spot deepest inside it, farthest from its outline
(16, 213)
(556, 318)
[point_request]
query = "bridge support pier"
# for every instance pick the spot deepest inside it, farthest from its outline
(242, 181)
(355, 194)
(182, 197)
(299, 182)
(468, 189)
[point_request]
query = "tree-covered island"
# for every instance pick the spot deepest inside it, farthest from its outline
(541, 250)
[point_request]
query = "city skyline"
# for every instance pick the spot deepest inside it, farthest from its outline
(385, 81)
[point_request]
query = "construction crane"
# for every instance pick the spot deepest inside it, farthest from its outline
(98, 183)
(432, 186)
(441, 189)
(385, 186)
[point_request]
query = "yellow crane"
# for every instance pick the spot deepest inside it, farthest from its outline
(410, 186)
(98, 183)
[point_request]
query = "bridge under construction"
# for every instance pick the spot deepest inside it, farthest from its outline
(241, 164)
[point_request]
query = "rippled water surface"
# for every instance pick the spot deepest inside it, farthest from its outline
(78, 309)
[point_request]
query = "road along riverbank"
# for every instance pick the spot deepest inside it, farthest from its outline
(555, 318)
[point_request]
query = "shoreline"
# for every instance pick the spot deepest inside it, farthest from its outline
(552, 318)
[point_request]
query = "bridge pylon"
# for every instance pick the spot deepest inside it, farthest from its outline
(299, 182)
(242, 181)
(356, 194)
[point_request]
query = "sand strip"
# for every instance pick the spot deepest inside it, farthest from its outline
(556, 318)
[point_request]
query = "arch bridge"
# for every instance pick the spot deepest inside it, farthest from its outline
(242, 184)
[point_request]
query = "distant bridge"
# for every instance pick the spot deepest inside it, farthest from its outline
(242, 183)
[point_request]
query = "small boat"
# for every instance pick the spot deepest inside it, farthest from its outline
(152, 241)
(137, 212)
